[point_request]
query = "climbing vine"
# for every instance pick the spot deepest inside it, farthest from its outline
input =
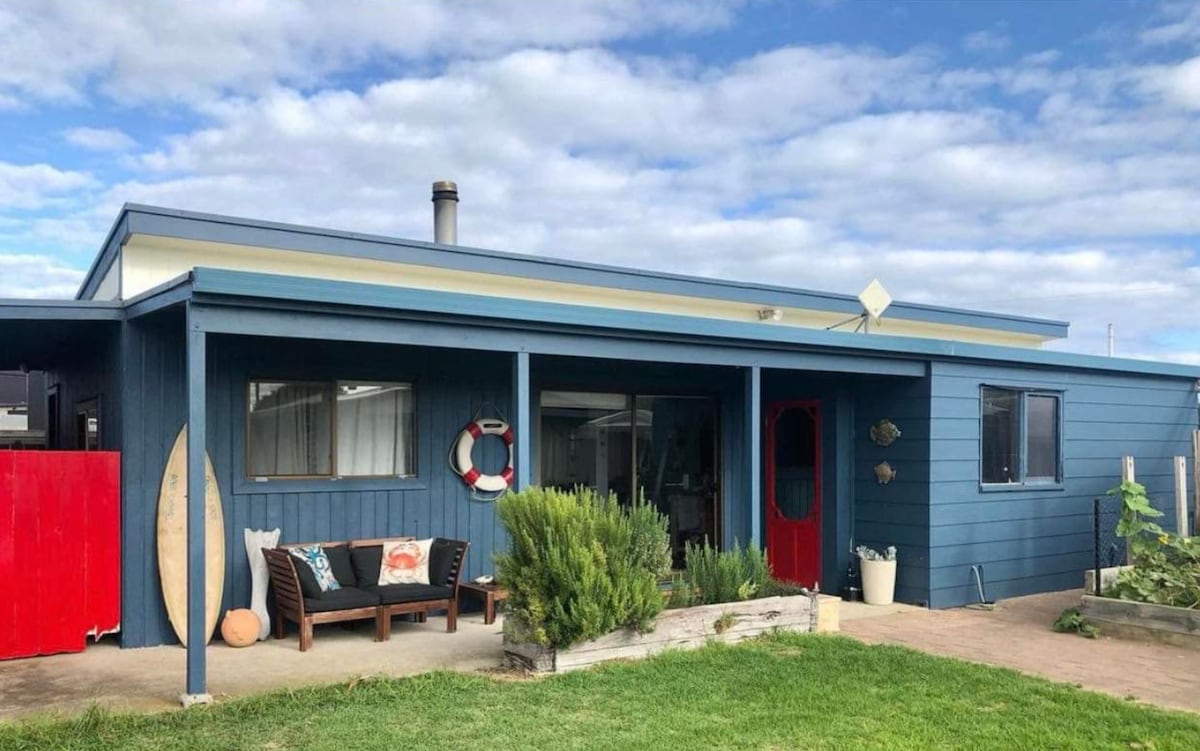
(1166, 566)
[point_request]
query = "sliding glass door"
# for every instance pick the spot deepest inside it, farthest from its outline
(586, 439)
(664, 448)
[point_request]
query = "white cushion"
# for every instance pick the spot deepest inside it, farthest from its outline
(405, 562)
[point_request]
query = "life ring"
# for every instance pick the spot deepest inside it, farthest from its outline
(465, 466)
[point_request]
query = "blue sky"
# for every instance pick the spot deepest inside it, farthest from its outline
(1039, 158)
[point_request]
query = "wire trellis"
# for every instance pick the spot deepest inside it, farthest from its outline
(1107, 548)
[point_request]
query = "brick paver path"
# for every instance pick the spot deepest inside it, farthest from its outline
(1017, 635)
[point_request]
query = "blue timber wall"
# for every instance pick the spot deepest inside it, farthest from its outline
(154, 392)
(934, 511)
(450, 387)
(1041, 540)
(84, 374)
(896, 513)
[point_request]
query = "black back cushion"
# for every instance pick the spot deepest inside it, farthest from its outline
(441, 560)
(341, 565)
(366, 562)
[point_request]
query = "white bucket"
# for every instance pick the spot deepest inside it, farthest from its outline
(878, 581)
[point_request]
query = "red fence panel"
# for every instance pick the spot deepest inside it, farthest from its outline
(60, 560)
(8, 557)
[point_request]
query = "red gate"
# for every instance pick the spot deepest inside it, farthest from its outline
(60, 550)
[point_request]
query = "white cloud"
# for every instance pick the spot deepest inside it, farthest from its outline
(658, 171)
(1176, 22)
(32, 186)
(1177, 84)
(1045, 57)
(986, 41)
(1187, 358)
(36, 276)
(1036, 187)
(138, 50)
(99, 139)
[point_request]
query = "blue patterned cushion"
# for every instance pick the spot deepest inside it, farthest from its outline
(316, 559)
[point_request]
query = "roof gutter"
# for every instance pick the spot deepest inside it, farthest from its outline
(305, 291)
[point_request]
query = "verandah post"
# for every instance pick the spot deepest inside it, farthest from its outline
(753, 439)
(1196, 483)
(1181, 514)
(1128, 474)
(197, 680)
(522, 421)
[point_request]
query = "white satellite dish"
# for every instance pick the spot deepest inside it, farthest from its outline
(875, 300)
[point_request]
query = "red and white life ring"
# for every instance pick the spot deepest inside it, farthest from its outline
(465, 466)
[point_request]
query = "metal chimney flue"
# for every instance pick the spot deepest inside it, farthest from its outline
(445, 212)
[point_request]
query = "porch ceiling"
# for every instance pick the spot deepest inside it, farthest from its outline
(39, 334)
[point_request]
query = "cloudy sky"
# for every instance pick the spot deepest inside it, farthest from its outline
(1035, 158)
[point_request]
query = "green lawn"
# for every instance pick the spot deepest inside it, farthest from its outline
(785, 692)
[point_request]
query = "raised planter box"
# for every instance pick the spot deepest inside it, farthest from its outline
(1108, 577)
(1141, 620)
(683, 628)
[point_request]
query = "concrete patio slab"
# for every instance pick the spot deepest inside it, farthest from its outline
(152, 679)
(853, 611)
(1017, 634)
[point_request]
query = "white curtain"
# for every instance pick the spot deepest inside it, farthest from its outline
(290, 431)
(375, 430)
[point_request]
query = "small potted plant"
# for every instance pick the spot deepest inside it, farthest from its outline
(878, 574)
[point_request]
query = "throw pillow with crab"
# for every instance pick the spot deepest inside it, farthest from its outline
(405, 562)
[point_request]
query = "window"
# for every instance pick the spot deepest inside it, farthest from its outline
(290, 429)
(319, 429)
(375, 430)
(1019, 437)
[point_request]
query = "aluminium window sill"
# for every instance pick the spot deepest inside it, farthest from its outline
(248, 485)
(1021, 487)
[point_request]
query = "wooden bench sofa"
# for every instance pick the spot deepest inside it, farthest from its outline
(355, 564)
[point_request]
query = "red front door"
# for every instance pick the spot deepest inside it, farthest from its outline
(793, 453)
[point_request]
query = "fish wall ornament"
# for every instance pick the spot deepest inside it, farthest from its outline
(884, 473)
(884, 432)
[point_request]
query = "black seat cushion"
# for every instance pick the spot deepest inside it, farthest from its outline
(366, 562)
(341, 565)
(346, 598)
(394, 594)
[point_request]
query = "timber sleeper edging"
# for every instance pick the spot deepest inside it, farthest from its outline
(683, 628)
(1143, 620)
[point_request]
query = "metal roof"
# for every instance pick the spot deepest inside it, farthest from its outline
(190, 225)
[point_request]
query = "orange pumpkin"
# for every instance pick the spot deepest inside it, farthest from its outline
(240, 628)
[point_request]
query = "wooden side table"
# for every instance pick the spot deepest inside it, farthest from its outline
(490, 594)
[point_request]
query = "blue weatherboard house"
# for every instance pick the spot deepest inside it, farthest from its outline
(329, 374)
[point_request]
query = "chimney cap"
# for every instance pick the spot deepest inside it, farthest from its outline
(445, 189)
